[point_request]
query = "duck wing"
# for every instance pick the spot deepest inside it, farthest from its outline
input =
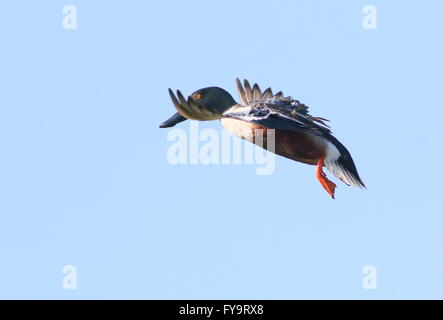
(274, 111)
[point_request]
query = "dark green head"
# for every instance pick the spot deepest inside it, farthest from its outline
(203, 104)
(213, 99)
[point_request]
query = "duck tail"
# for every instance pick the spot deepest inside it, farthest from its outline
(339, 162)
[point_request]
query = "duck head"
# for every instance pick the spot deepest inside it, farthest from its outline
(204, 104)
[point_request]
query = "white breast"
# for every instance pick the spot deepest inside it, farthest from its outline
(238, 128)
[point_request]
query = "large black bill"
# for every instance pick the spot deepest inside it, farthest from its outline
(172, 121)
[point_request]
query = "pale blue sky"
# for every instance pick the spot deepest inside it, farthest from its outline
(84, 178)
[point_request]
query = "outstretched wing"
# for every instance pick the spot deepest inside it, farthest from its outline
(274, 111)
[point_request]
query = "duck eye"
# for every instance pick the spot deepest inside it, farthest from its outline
(198, 96)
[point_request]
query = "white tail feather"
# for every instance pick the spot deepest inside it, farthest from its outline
(337, 169)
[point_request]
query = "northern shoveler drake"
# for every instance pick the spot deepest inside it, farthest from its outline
(298, 135)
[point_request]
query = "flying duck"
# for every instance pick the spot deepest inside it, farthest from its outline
(298, 135)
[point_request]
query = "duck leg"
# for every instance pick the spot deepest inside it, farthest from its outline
(327, 184)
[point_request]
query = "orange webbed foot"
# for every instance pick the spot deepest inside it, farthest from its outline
(327, 184)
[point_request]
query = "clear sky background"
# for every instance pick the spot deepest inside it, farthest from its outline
(84, 178)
